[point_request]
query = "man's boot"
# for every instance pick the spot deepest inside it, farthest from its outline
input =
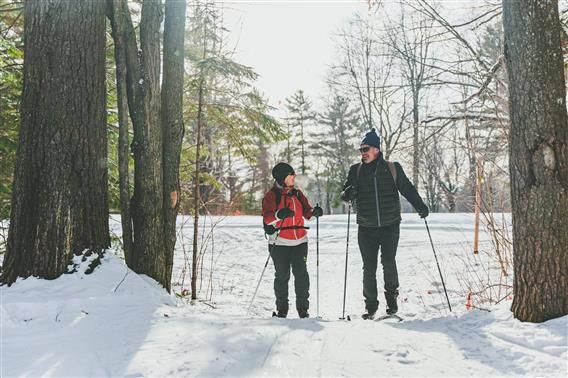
(303, 313)
(369, 314)
(392, 306)
(282, 313)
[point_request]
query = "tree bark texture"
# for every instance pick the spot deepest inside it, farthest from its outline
(156, 114)
(172, 122)
(148, 256)
(538, 159)
(123, 139)
(59, 201)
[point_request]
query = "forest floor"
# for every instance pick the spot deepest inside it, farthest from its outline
(114, 322)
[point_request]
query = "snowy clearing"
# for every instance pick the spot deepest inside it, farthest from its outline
(116, 323)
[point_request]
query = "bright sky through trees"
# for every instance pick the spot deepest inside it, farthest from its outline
(289, 43)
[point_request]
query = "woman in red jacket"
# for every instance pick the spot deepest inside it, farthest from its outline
(283, 210)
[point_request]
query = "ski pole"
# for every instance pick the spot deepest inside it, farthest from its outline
(317, 265)
(436, 257)
(346, 258)
(262, 274)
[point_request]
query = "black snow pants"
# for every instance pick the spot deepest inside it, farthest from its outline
(370, 240)
(285, 257)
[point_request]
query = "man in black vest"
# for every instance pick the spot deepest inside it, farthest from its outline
(373, 186)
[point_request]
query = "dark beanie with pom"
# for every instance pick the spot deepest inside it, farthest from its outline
(280, 171)
(372, 139)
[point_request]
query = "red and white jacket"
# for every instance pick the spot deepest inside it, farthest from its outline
(301, 207)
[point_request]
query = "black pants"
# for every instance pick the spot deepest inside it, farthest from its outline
(370, 240)
(285, 257)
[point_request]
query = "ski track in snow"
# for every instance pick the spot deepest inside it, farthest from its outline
(114, 323)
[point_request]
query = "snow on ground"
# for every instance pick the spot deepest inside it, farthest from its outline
(116, 323)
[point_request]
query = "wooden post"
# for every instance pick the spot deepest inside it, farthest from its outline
(477, 207)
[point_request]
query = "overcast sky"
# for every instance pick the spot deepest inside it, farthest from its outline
(288, 43)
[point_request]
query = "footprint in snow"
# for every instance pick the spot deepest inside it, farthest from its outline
(383, 352)
(403, 358)
(407, 362)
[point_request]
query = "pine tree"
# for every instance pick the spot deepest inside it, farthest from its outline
(339, 126)
(11, 79)
(225, 111)
(300, 117)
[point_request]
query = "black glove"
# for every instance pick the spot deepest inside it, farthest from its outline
(284, 213)
(317, 211)
(423, 212)
(349, 193)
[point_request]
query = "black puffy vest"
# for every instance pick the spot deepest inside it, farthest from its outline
(386, 203)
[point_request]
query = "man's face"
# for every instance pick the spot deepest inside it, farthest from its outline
(290, 180)
(368, 153)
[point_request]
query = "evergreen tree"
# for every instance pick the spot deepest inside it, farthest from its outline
(300, 118)
(227, 114)
(232, 111)
(11, 60)
(335, 141)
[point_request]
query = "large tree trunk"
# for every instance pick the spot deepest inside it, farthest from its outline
(148, 257)
(538, 159)
(123, 139)
(157, 135)
(59, 200)
(172, 122)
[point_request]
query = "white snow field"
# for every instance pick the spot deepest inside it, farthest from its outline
(116, 323)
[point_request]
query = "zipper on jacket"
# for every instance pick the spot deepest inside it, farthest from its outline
(377, 195)
(294, 218)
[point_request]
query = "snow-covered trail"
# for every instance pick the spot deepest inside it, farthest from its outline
(116, 323)
(241, 251)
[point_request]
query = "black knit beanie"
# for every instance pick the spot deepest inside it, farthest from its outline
(372, 139)
(280, 171)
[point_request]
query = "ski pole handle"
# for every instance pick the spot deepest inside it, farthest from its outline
(293, 228)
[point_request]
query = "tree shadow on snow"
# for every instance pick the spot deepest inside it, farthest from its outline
(500, 347)
(245, 352)
(79, 325)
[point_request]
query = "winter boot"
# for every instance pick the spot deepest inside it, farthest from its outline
(303, 313)
(392, 307)
(282, 313)
(369, 315)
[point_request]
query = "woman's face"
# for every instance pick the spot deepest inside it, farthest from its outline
(290, 180)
